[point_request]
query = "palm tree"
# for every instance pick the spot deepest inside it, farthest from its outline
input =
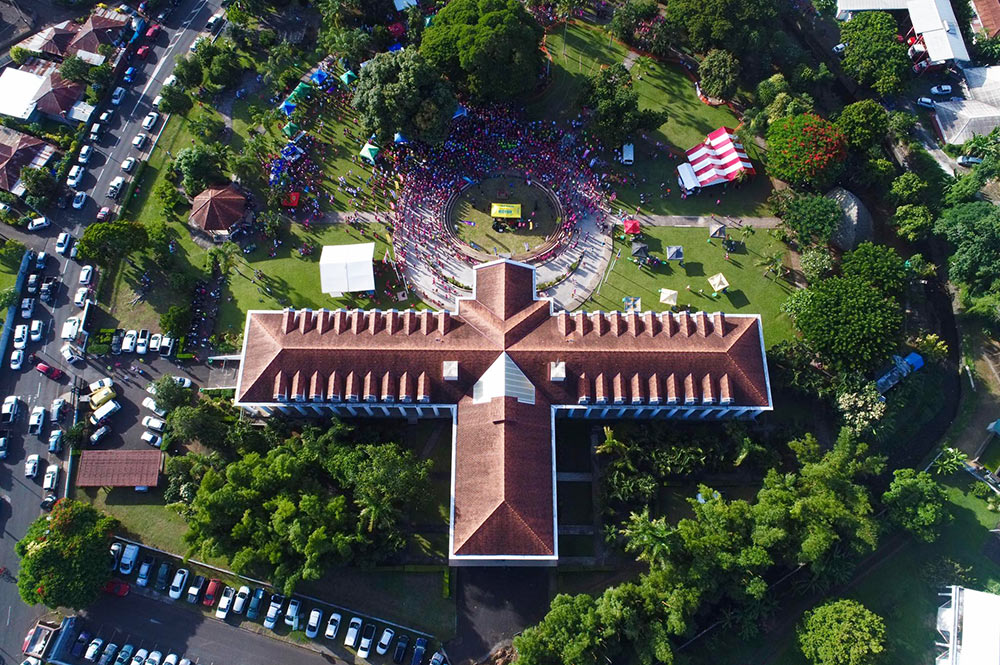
(774, 262)
(949, 461)
(376, 508)
(611, 445)
(567, 8)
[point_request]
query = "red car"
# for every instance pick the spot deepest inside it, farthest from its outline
(50, 372)
(213, 588)
(117, 588)
(153, 31)
(143, 51)
(103, 213)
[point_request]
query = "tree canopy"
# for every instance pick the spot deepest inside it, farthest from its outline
(617, 116)
(107, 242)
(879, 265)
(489, 48)
(176, 320)
(200, 166)
(75, 69)
(842, 632)
(64, 556)
(873, 56)
(719, 71)
(865, 124)
(402, 92)
(917, 503)
(814, 218)
(170, 394)
(974, 230)
(189, 72)
(175, 100)
(806, 150)
(913, 222)
(38, 182)
(850, 324)
(731, 24)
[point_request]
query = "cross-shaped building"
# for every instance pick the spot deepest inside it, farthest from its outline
(503, 366)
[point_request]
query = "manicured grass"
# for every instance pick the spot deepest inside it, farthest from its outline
(8, 278)
(539, 217)
(991, 456)
(576, 504)
(662, 87)
(749, 291)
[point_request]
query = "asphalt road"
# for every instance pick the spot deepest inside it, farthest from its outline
(21, 496)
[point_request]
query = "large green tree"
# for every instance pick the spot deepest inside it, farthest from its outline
(842, 632)
(730, 24)
(189, 72)
(864, 123)
(617, 116)
(402, 92)
(75, 69)
(814, 218)
(201, 166)
(107, 242)
(170, 394)
(64, 556)
(38, 182)
(913, 222)
(879, 265)
(805, 150)
(850, 324)
(175, 100)
(490, 48)
(917, 503)
(719, 71)
(874, 57)
(974, 230)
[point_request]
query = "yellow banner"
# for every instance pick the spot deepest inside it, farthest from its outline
(506, 210)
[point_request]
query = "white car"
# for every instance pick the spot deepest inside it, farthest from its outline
(139, 141)
(139, 658)
(170, 80)
(16, 359)
(292, 613)
(99, 434)
(182, 381)
(365, 647)
(69, 354)
(332, 626)
(941, 90)
(85, 154)
(70, 329)
(384, 641)
(839, 48)
(38, 223)
(31, 466)
(926, 102)
(154, 658)
(36, 330)
(74, 177)
(155, 424)
(154, 343)
(241, 599)
(966, 160)
(118, 96)
(128, 342)
(79, 200)
(103, 382)
(86, 274)
(106, 116)
(142, 342)
(51, 477)
(273, 612)
(150, 404)
(62, 242)
(312, 626)
(150, 120)
(151, 439)
(94, 650)
(20, 336)
(353, 628)
(36, 421)
(225, 602)
(81, 296)
(177, 586)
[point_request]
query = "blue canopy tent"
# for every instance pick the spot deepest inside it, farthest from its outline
(396, 47)
(399, 138)
(319, 77)
(288, 107)
(675, 253)
(460, 112)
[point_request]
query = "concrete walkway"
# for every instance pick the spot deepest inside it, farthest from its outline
(703, 220)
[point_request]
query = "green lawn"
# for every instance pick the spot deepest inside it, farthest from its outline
(663, 87)
(749, 291)
(897, 589)
(539, 216)
(991, 456)
(8, 278)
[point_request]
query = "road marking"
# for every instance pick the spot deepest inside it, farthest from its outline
(155, 621)
(166, 54)
(8, 615)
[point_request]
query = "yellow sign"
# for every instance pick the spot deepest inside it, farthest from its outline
(506, 210)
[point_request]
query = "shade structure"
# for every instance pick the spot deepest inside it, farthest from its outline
(686, 177)
(288, 107)
(403, 4)
(395, 47)
(290, 129)
(718, 282)
(302, 91)
(348, 77)
(640, 249)
(716, 229)
(460, 112)
(675, 253)
(291, 199)
(505, 210)
(345, 268)
(319, 77)
(668, 296)
(720, 158)
(399, 138)
(632, 226)
(369, 152)
(218, 208)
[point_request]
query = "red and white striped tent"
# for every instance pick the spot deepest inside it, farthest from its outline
(721, 158)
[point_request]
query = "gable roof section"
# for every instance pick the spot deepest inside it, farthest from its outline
(18, 91)
(959, 121)
(18, 150)
(56, 96)
(503, 379)
(53, 40)
(103, 26)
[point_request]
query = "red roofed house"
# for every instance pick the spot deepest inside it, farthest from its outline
(720, 158)
(53, 40)
(503, 366)
(217, 208)
(18, 150)
(103, 26)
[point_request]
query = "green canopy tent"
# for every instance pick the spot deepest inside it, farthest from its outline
(348, 77)
(302, 91)
(290, 129)
(369, 152)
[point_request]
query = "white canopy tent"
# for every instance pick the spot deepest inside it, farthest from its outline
(668, 296)
(344, 268)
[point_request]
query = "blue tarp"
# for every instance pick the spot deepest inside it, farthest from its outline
(914, 360)
(139, 28)
(399, 138)
(288, 107)
(460, 112)
(396, 47)
(319, 76)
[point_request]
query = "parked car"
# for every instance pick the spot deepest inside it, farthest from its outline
(80, 298)
(142, 52)
(145, 570)
(128, 342)
(366, 641)
(225, 603)
(116, 341)
(155, 424)
(383, 642)
(153, 31)
(926, 102)
(79, 200)
(117, 588)
(240, 602)
(93, 649)
(129, 164)
(332, 626)
(10, 408)
(86, 275)
(419, 647)
(154, 343)
(109, 654)
(48, 501)
(99, 434)
(353, 628)
(115, 188)
(124, 655)
(103, 213)
(257, 601)
(128, 559)
(273, 611)
(31, 466)
(400, 652)
(177, 586)
(35, 330)
(80, 645)
(840, 48)
(38, 223)
(74, 177)
(312, 625)
(437, 658)
(292, 613)
(941, 90)
(116, 552)
(162, 577)
(142, 342)
(140, 657)
(62, 242)
(51, 372)
(56, 409)
(967, 160)
(21, 336)
(36, 421)
(150, 404)
(85, 154)
(27, 308)
(3, 447)
(211, 591)
(55, 441)
(16, 359)
(194, 591)
(118, 96)
(139, 141)
(130, 75)
(152, 439)
(150, 120)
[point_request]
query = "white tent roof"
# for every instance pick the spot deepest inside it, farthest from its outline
(687, 176)
(503, 379)
(18, 90)
(959, 121)
(970, 623)
(344, 268)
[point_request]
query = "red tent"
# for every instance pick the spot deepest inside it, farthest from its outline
(632, 226)
(291, 200)
(397, 29)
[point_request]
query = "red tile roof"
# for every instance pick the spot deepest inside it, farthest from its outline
(101, 27)
(218, 208)
(989, 15)
(119, 468)
(56, 96)
(503, 460)
(18, 150)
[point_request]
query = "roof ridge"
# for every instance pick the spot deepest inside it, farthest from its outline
(739, 339)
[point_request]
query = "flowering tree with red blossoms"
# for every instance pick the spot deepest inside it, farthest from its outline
(805, 150)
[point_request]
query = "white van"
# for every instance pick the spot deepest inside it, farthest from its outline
(216, 20)
(95, 131)
(628, 154)
(128, 559)
(104, 412)
(75, 176)
(115, 188)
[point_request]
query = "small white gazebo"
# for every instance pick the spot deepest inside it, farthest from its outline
(668, 296)
(345, 268)
(718, 282)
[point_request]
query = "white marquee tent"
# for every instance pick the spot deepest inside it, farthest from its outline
(344, 268)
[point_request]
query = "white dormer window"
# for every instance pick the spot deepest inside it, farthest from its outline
(557, 371)
(449, 370)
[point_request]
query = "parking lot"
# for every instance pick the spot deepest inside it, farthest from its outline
(161, 612)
